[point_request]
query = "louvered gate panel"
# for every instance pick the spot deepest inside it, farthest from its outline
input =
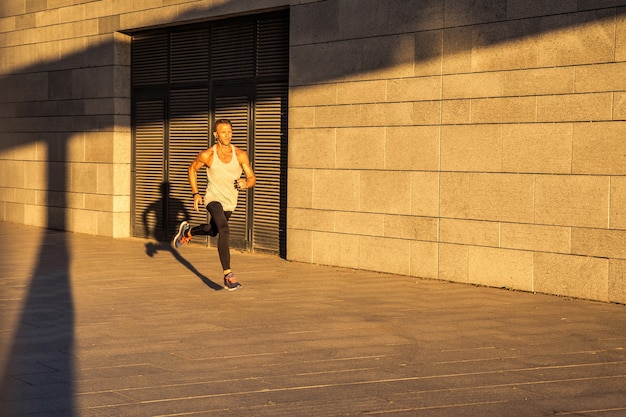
(236, 109)
(189, 133)
(232, 51)
(272, 52)
(150, 59)
(189, 56)
(237, 60)
(270, 150)
(149, 138)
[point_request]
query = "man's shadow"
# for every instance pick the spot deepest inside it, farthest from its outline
(160, 211)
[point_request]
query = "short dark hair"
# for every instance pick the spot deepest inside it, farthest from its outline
(222, 122)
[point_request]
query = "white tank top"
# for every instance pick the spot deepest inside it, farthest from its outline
(222, 176)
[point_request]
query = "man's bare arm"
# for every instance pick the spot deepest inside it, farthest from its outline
(201, 160)
(244, 161)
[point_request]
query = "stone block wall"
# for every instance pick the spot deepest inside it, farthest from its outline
(478, 142)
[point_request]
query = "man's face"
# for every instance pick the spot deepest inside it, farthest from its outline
(224, 133)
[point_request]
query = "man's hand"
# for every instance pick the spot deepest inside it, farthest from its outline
(196, 202)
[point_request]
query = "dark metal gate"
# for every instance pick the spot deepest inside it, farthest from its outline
(182, 80)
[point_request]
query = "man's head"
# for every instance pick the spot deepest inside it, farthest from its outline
(219, 122)
(223, 131)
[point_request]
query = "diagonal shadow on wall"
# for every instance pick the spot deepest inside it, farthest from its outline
(39, 378)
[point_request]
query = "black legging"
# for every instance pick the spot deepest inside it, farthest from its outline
(217, 225)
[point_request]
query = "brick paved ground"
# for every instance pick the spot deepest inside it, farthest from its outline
(92, 326)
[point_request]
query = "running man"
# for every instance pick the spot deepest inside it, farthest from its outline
(224, 164)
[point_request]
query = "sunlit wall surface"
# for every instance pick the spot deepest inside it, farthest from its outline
(471, 141)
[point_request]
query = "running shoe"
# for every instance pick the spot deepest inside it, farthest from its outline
(230, 282)
(182, 236)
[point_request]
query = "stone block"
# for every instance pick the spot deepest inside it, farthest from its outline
(471, 12)
(413, 89)
(457, 50)
(389, 114)
(14, 212)
(412, 148)
(471, 148)
(45, 18)
(361, 92)
(504, 45)
(13, 174)
(359, 148)
(428, 52)
(501, 197)
(456, 112)
(425, 194)
(53, 4)
(106, 179)
(469, 232)
(299, 245)
(454, 197)
(85, 221)
(121, 204)
(571, 276)
(37, 178)
(504, 110)
(313, 95)
(11, 8)
(572, 200)
(301, 117)
(317, 22)
(339, 116)
(617, 281)
(311, 148)
(575, 107)
(98, 202)
(594, 148)
(121, 224)
(502, 268)
(35, 215)
(540, 81)
(426, 113)
(600, 243)
(424, 259)
(300, 188)
(385, 255)
(453, 262)
(619, 106)
(99, 146)
(83, 177)
(73, 149)
(337, 189)
(537, 148)
(524, 9)
(317, 63)
(489, 84)
(601, 77)
(71, 13)
(122, 152)
(576, 38)
(358, 223)
(537, 238)
(415, 16)
(620, 34)
(103, 8)
(617, 211)
(335, 249)
(382, 192)
(385, 57)
(410, 227)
